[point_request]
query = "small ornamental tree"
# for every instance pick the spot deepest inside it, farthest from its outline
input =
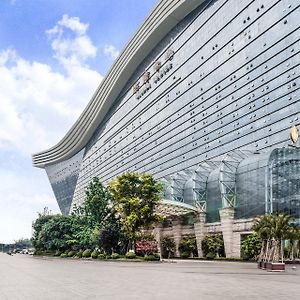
(167, 245)
(188, 246)
(213, 245)
(251, 246)
(135, 199)
(146, 247)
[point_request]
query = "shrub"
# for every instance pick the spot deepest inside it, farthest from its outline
(210, 255)
(86, 253)
(79, 254)
(57, 253)
(213, 244)
(188, 246)
(184, 254)
(64, 255)
(38, 252)
(71, 253)
(115, 256)
(151, 257)
(167, 245)
(251, 246)
(101, 256)
(130, 255)
(95, 254)
(146, 247)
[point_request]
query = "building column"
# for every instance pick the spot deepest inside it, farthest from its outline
(158, 235)
(236, 245)
(227, 218)
(200, 230)
(177, 233)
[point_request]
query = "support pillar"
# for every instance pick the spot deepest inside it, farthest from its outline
(177, 233)
(200, 230)
(158, 235)
(227, 218)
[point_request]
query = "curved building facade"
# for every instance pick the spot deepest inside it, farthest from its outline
(203, 98)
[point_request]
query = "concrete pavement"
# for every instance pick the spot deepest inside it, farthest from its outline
(25, 277)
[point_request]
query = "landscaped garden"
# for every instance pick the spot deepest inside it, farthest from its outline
(116, 222)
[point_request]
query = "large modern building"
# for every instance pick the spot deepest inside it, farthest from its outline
(203, 97)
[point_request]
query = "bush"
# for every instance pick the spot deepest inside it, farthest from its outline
(115, 256)
(146, 247)
(57, 253)
(102, 256)
(167, 245)
(79, 254)
(251, 246)
(184, 254)
(71, 253)
(210, 255)
(64, 255)
(130, 255)
(151, 257)
(38, 252)
(95, 254)
(86, 253)
(213, 244)
(188, 246)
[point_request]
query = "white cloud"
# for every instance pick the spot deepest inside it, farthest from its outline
(111, 51)
(38, 106)
(71, 45)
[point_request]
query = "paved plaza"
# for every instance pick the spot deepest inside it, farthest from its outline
(25, 277)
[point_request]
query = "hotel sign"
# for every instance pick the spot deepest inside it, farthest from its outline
(159, 69)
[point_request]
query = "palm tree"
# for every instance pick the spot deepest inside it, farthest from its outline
(273, 230)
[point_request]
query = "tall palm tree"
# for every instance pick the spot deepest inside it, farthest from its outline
(273, 230)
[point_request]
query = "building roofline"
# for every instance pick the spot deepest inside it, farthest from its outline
(165, 15)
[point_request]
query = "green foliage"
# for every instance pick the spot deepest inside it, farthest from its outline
(213, 244)
(115, 256)
(151, 257)
(95, 254)
(210, 255)
(109, 238)
(102, 256)
(251, 246)
(188, 246)
(167, 245)
(135, 199)
(71, 253)
(86, 253)
(79, 254)
(57, 253)
(64, 255)
(37, 226)
(95, 209)
(277, 227)
(23, 243)
(130, 255)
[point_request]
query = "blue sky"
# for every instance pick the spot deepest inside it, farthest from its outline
(53, 55)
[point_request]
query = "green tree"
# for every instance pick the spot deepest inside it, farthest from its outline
(167, 245)
(273, 229)
(96, 207)
(188, 246)
(37, 226)
(251, 246)
(135, 199)
(23, 243)
(213, 245)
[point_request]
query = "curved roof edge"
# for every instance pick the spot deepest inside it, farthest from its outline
(165, 15)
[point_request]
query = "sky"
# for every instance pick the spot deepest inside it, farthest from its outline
(53, 55)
